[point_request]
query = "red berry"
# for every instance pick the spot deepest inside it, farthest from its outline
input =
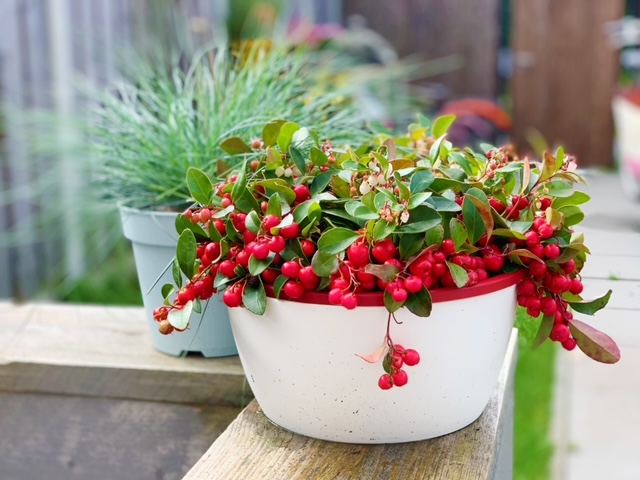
(448, 247)
(522, 300)
(358, 254)
(232, 298)
(548, 306)
(569, 344)
(261, 251)
(270, 275)
(569, 267)
(439, 270)
(385, 382)
(545, 231)
(397, 361)
(205, 215)
(576, 286)
(220, 226)
(538, 251)
(552, 251)
(339, 283)
(493, 262)
(227, 268)
(290, 231)
(243, 258)
(532, 239)
(335, 296)
(537, 268)
(277, 244)
(270, 221)
(497, 205)
(538, 222)
(400, 378)
(545, 203)
(302, 193)
(413, 284)
(290, 269)
(308, 248)
(349, 301)
(399, 295)
(160, 313)
(411, 357)
(527, 288)
(293, 289)
(560, 333)
(212, 250)
(560, 284)
(248, 236)
(308, 278)
(533, 303)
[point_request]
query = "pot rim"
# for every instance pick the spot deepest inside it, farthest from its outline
(376, 299)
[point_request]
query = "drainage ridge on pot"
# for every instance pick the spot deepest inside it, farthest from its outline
(153, 237)
(301, 362)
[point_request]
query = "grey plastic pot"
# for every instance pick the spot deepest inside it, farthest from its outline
(153, 237)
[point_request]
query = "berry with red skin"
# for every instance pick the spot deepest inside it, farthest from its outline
(308, 248)
(340, 283)
(560, 284)
(538, 222)
(559, 316)
(545, 203)
(160, 313)
(473, 278)
(576, 286)
(290, 231)
(248, 236)
(261, 251)
(290, 269)
(205, 215)
(242, 258)
(413, 284)
(497, 205)
(448, 247)
(527, 288)
(224, 203)
(335, 296)
(520, 202)
(200, 251)
(439, 270)
(532, 238)
(399, 295)
(256, 143)
(411, 357)
(293, 289)
(186, 295)
(227, 268)
(522, 300)
(277, 244)
(308, 278)
(212, 250)
(439, 257)
(232, 298)
(397, 361)
(428, 281)
(537, 268)
(384, 250)
(569, 344)
(545, 231)
(302, 193)
(492, 261)
(165, 328)
(349, 301)
(358, 254)
(447, 280)
(385, 382)
(394, 262)
(552, 251)
(513, 213)
(270, 275)
(538, 251)
(264, 205)
(400, 378)
(220, 226)
(482, 274)
(548, 306)
(270, 221)
(569, 266)
(369, 285)
(560, 333)
(534, 303)
(420, 266)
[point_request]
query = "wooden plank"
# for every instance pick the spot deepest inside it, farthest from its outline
(106, 352)
(626, 293)
(435, 29)
(253, 447)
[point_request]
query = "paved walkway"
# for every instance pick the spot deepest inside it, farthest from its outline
(597, 414)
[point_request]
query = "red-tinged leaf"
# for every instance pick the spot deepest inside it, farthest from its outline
(595, 344)
(526, 175)
(376, 355)
(391, 149)
(384, 272)
(522, 252)
(548, 167)
(546, 325)
(505, 232)
(591, 307)
(485, 212)
(235, 146)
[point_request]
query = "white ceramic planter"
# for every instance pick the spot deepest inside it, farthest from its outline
(154, 239)
(626, 116)
(300, 360)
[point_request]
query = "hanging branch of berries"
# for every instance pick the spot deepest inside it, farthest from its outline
(398, 216)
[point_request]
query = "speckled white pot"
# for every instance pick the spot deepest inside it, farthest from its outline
(154, 239)
(300, 360)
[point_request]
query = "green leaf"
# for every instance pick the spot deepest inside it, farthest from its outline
(591, 307)
(270, 132)
(434, 235)
(199, 185)
(405, 193)
(336, 240)
(274, 207)
(235, 146)
(321, 181)
(459, 274)
(183, 223)
(186, 252)
(546, 325)
(278, 285)
(254, 298)
(179, 319)
(410, 244)
(256, 267)
(421, 219)
(241, 196)
(441, 125)
(459, 233)
(390, 304)
(442, 204)
(175, 272)
(595, 344)
(572, 215)
(434, 151)
(279, 185)
(419, 303)
(576, 198)
(298, 159)
(382, 229)
(274, 159)
(548, 167)
(559, 188)
(418, 199)
(167, 290)
(421, 180)
(286, 135)
(473, 220)
(324, 264)
(384, 272)
(302, 211)
(318, 157)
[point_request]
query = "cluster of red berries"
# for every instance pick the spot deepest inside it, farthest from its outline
(397, 357)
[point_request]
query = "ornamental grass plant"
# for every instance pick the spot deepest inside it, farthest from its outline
(394, 218)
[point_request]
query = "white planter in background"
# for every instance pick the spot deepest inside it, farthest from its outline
(300, 360)
(626, 116)
(154, 239)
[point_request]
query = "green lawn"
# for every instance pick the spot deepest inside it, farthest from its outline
(116, 284)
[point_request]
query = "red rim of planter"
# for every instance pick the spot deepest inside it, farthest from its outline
(375, 299)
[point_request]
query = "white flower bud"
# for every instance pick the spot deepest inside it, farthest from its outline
(288, 172)
(364, 188)
(279, 171)
(404, 216)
